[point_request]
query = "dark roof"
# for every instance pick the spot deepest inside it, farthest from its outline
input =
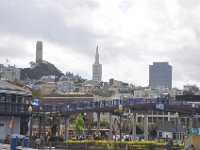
(191, 98)
(9, 88)
(170, 126)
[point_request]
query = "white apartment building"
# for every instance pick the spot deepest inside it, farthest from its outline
(10, 73)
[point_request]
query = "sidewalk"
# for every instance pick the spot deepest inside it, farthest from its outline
(4, 146)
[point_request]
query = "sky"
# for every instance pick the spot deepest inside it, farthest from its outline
(130, 34)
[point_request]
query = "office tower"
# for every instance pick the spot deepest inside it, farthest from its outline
(160, 74)
(39, 52)
(97, 68)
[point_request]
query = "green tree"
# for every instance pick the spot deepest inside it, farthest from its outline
(79, 124)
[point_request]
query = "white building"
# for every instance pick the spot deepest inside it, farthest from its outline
(10, 73)
(65, 86)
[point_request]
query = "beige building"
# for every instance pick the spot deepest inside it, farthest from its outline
(97, 68)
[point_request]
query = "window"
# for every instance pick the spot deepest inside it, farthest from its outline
(159, 134)
(2, 98)
(19, 99)
(174, 135)
(8, 98)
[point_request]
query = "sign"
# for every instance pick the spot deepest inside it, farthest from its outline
(36, 102)
(194, 131)
(160, 106)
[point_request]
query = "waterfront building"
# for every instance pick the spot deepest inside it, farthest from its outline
(14, 114)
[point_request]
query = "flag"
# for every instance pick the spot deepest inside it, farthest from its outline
(36, 102)
(30, 85)
(11, 123)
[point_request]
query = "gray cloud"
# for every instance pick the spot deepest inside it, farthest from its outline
(130, 34)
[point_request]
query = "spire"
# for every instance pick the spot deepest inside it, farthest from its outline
(97, 56)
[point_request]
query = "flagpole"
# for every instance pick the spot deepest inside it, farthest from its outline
(11, 125)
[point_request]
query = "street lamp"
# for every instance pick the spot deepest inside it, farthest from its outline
(120, 107)
(176, 115)
(129, 125)
(193, 118)
(30, 109)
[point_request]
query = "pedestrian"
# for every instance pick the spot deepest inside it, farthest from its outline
(37, 142)
(169, 144)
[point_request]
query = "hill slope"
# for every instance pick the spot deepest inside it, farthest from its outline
(42, 69)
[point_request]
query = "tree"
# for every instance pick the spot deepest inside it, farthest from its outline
(79, 124)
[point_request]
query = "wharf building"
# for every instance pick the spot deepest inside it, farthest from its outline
(160, 74)
(14, 114)
(97, 68)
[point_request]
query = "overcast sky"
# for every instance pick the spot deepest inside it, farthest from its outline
(131, 35)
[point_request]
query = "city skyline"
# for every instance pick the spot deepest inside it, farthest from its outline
(131, 35)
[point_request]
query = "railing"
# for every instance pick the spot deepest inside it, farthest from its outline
(72, 106)
(109, 103)
(13, 108)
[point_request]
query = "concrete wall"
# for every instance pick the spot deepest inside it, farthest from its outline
(5, 126)
(192, 140)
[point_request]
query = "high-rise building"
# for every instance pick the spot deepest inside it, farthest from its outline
(97, 68)
(39, 52)
(160, 74)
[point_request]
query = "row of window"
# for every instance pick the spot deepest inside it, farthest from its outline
(13, 108)
(12, 98)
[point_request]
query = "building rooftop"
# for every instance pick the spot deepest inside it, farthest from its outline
(6, 87)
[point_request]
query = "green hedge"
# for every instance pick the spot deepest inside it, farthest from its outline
(111, 141)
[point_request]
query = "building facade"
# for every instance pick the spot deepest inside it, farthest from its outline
(10, 73)
(14, 104)
(39, 52)
(97, 68)
(160, 74)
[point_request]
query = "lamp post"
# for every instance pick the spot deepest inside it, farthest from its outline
(30, 109)
(129, 126)
(176, 115)
(193, 116)
(120, 121)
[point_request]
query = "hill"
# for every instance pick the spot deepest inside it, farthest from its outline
(40, 70)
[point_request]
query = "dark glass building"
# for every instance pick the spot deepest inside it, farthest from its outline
(160, 74)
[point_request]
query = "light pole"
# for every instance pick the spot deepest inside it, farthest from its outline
(30, 109)
(176, 115)
(193, 117)
(129, 126)
(120, 121)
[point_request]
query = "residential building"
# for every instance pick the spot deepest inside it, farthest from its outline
(10, 73)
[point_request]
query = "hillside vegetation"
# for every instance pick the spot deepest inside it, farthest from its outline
(42, 69)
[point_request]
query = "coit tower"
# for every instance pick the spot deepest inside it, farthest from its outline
(97, 68)
(39, 52)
